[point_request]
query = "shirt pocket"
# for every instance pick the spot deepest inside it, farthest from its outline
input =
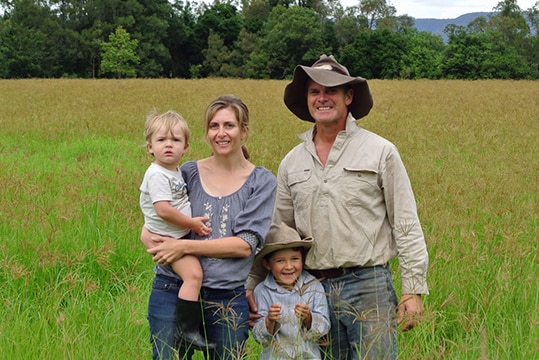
(301, 187)
(360, 186)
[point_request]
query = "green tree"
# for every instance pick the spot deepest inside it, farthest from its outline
(509, 22)
(246, 45)
(532, 42)
(423, 56)
(34, 41)
(183, 45)
(119, 54)
(376, 10)
(256, 13)
(532, 15)
(482, 56)
(349, 25)
(217, 58)
(21, 51)
(151, 22)
(291, 36)
(223, 19)
(376, 54)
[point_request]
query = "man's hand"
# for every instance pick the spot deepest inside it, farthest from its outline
(410, 308)
(253, 308)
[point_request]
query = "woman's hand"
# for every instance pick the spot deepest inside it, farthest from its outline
(150, 239)
(167, 250)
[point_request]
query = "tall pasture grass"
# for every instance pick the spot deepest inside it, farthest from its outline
(74, 278)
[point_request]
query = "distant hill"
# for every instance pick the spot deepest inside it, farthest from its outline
(436, 26)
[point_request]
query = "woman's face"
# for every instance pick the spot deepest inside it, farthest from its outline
(224, 132)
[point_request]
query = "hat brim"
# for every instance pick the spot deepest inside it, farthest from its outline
(295, 92)
(258, 267)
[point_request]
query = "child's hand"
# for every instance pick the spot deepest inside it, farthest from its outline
(200, 227)
(302, 311)
(274, 314)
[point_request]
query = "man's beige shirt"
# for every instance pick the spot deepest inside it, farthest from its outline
(359, 208)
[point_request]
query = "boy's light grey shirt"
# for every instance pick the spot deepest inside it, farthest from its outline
(291, 341)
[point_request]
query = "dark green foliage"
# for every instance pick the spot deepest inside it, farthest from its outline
(291, 36)
(376, 54)
(263, 39)
(482, 56)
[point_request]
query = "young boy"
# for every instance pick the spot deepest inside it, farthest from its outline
(291, 301)
(167, 211)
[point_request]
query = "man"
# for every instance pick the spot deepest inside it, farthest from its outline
(348, 188)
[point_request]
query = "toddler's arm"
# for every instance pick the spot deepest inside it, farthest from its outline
(175, 217)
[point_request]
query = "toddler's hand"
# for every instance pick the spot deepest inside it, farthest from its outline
(200, 227)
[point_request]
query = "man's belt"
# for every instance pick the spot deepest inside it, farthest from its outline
(336, 272)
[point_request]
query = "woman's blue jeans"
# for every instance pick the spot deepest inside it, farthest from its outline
(226, 320)
(363, 307)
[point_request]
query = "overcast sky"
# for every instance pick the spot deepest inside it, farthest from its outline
(443, 9)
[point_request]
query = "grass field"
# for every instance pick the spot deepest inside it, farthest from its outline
(74, 278)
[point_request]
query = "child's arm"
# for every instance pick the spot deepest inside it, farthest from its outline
(303, 312)
(175, 217)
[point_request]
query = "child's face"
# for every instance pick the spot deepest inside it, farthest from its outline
(286, 266)
(168, 147)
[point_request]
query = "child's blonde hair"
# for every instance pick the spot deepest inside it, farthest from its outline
(167, 120)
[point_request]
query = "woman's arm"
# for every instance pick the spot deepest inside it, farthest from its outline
(169, 250)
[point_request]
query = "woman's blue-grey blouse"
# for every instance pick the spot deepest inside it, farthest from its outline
(245, 213)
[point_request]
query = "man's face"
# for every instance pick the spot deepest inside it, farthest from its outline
(328, 105)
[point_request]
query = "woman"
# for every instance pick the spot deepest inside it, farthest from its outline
(238, 198)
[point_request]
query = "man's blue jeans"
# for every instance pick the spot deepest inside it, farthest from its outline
(363, 307)
(226, 320)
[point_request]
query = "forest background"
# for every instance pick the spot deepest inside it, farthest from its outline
(258, 39)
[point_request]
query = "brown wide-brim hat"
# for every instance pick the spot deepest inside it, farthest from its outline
(329, 73)
(280, 237)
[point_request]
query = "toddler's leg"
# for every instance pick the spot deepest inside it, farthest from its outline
(189, 269)
(188, 308)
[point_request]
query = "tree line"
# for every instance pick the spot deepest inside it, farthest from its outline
(261, 39)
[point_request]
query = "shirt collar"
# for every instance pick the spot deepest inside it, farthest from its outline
(351, 128)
